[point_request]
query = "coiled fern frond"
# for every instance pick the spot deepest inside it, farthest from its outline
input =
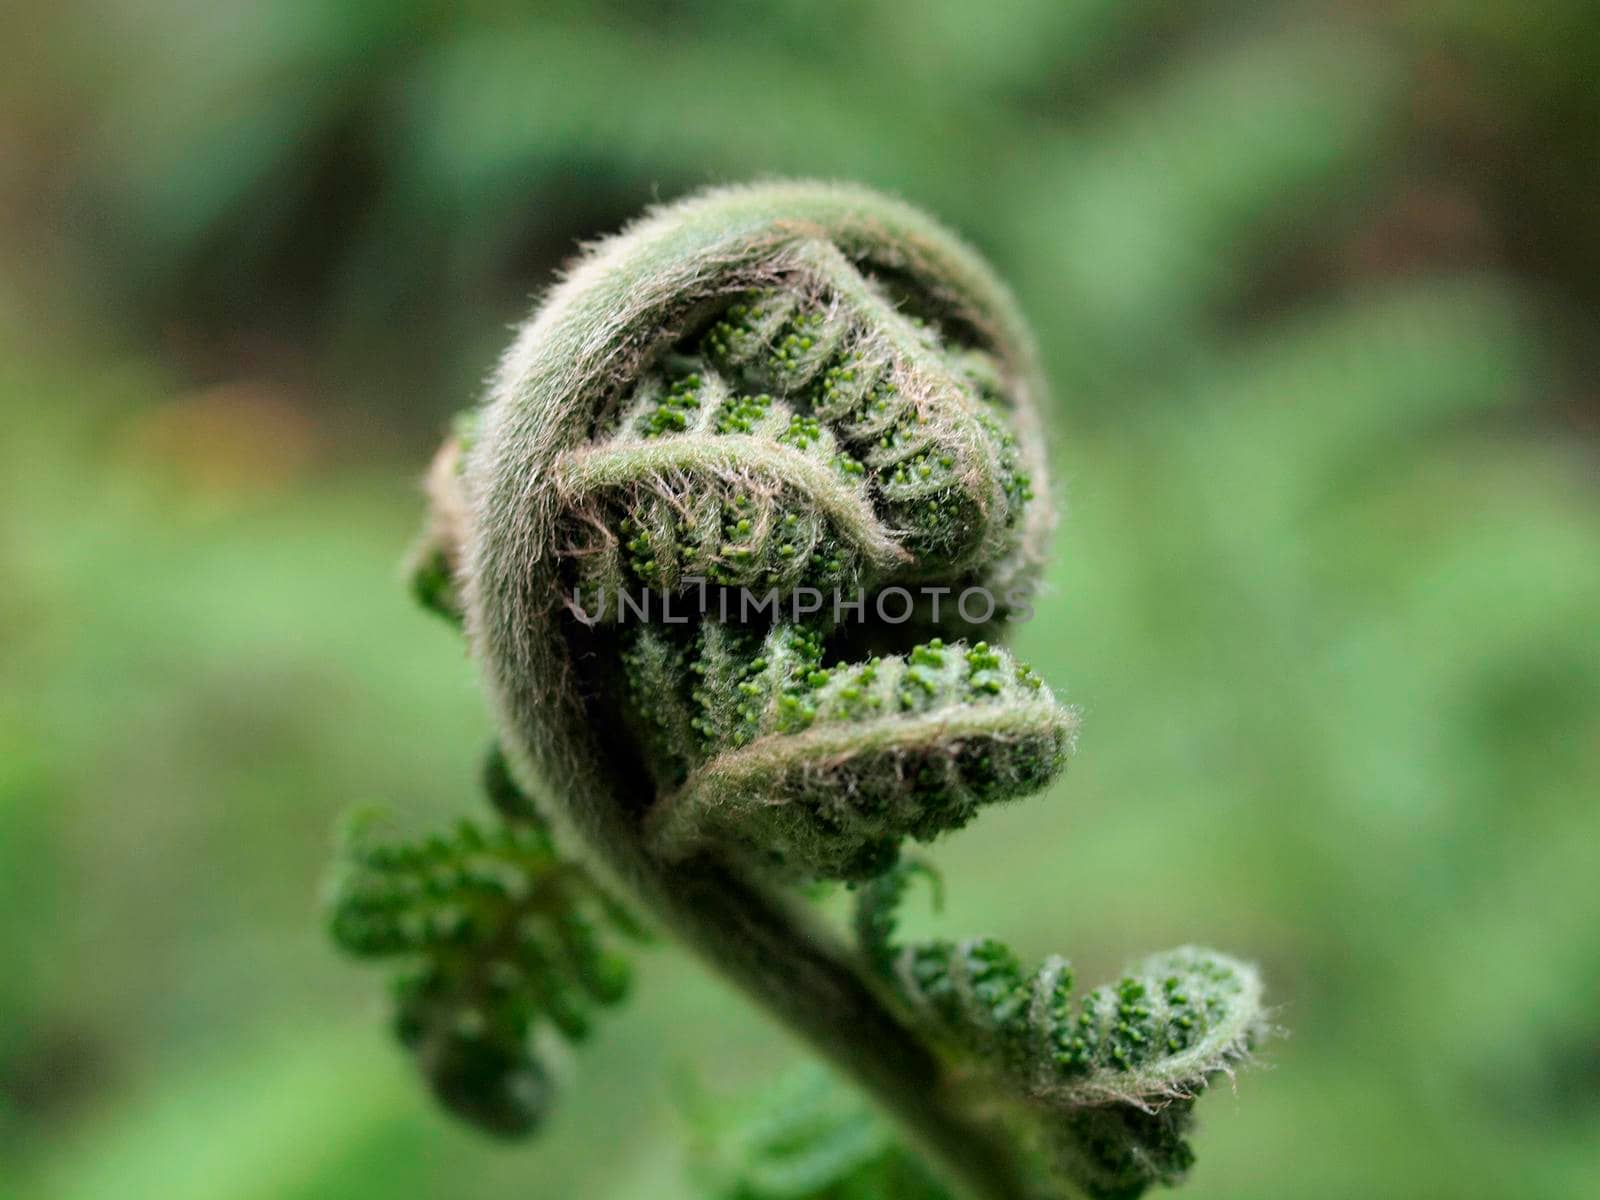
(734, 541)
(1107, 1081)
(810, 394)
(803, 394)
(823, 770)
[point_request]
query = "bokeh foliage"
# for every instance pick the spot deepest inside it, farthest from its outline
(1316, 284)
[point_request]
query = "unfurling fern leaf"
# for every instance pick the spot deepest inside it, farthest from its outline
(504, 941)
(811, 397)
(1106, 1084)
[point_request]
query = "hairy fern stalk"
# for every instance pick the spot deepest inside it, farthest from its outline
(799, 391)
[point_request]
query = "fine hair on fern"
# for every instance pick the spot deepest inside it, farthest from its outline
(790, 389)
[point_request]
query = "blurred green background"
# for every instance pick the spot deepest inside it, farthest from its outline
(1318, 287)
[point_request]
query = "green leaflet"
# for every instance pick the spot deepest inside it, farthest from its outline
(502, 940)
(805, 1138)
(1107, 1082)
(818, 770)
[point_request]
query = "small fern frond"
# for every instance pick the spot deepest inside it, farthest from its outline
(805, 1138)
(1106, 1083)
(504, 943)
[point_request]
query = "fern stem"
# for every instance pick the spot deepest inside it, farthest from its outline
(806, 978)
(776, 951)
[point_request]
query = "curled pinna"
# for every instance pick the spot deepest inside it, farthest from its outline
(735, 539)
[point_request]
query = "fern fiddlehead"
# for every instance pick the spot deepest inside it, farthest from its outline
(813, 398)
